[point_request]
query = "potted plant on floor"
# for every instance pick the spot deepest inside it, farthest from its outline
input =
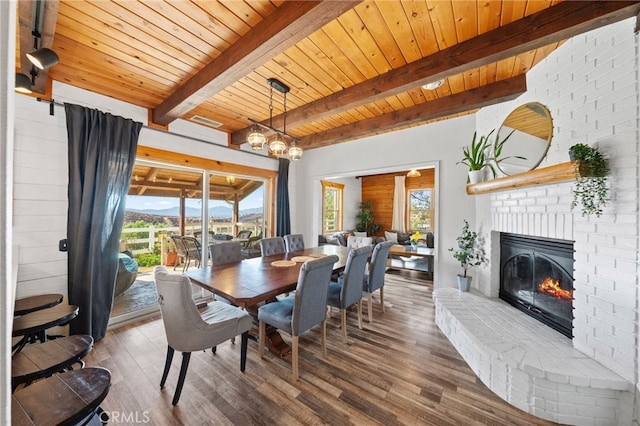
(469, 253)
(590, 187)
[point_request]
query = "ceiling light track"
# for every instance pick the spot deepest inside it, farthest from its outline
(41, 58)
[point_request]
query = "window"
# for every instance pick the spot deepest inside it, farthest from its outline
(331, 206)
(420, 210)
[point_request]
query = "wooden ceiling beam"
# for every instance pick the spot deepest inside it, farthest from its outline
(26, 24)
(550, 25)
(490, 94)
(288, 24)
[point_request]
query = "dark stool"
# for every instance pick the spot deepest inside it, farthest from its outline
(63, 399)
(33, 326)
(43, 360)
(30, 304)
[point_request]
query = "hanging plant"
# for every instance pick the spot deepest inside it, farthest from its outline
(590, 187)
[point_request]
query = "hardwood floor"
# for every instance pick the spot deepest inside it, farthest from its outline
(398, 370)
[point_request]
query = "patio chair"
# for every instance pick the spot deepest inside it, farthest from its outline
(246, 234)
(192, 247)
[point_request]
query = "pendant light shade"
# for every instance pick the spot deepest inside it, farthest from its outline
(414, 173)
(295, 153)
(43, 58)
(277, 146)
(256, 138)
(23, 83)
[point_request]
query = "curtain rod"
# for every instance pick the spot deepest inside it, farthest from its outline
(53, 103)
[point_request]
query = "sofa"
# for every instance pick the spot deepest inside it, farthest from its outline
(337, 238)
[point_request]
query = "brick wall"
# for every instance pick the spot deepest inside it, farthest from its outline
(590, 85)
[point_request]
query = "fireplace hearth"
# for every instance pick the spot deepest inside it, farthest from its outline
(536, 276)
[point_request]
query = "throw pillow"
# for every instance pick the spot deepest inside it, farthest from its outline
(359, 234)
(391, 236)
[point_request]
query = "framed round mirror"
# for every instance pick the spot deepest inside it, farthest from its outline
(530, 128)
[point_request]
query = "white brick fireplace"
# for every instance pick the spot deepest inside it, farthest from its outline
(590, 85)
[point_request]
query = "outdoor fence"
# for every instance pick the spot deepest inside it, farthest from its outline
(130, 238)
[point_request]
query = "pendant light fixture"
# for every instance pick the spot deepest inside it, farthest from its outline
(277, 145)
(414, 173)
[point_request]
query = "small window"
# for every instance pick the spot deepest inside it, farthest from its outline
(331, 207)
(420, 210)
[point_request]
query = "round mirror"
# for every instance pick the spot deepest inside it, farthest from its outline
(528, 130)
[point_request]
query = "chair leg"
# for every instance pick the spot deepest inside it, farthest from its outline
(243, 350)
(186, 356)
(343, 323)
(323, 337)
(382, 298)
(294, 357)
(370, 307)
(261, 337)
(214, 349)
(360, 314)
(167, 366)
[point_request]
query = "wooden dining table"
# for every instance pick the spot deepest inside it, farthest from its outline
(252, 282)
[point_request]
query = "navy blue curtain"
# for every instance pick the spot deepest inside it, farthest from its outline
(283, 218)
(102, 151)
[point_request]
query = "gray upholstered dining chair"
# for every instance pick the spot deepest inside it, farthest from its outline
(299, 313)
(374, 278)
(294, 242)
(272, 246)
(225, 252)
(348, 289)
(188, 329)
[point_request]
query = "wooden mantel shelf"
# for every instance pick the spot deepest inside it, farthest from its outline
(557, 173)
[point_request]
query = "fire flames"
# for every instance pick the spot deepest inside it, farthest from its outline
(552, 287)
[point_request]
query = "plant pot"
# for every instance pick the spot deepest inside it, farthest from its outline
(172, 259)
(464, 283)
(476, 176)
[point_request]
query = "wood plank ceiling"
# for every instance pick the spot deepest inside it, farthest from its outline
(355, 68)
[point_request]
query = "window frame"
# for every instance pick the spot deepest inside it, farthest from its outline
(338, 211)
(408, 209)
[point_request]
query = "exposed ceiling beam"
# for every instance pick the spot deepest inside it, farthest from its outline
(291, 22)
(26, 24)
(493, 93)
(550, 25)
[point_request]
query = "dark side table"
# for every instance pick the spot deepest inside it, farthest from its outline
(45, 359)
(63, 399)
(33, 325)
(30, 304)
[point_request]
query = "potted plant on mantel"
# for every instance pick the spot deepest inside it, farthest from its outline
(475, 157)
(590, 187)
(469, 253)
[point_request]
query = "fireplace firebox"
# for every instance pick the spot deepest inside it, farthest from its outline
(536, 276)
